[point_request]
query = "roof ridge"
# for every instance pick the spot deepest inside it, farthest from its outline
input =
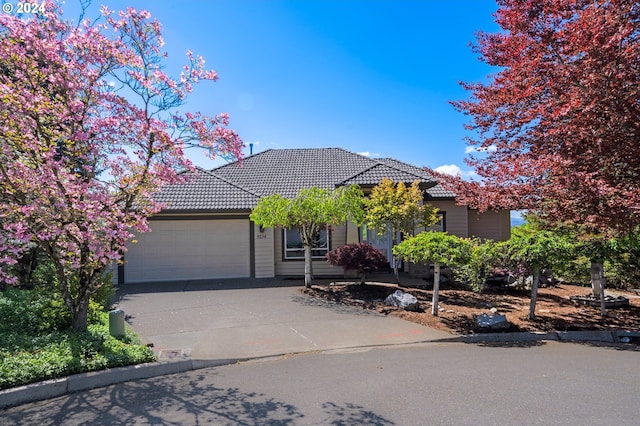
(422, 169)
(361, 171)
(222, 178)
(240, 160)
(380, 163)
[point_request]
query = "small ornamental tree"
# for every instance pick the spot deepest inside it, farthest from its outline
(439, 248)
(361, 257)
(595, 247)
(312, 210)
(400, 208)
(532, 249)
(479, 264)
(88, 132)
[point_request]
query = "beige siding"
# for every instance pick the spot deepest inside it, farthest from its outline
(320, 266)
(490, 225)
(264, 252)
(456, 217)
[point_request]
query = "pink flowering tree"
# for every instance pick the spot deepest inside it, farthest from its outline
(88, 131)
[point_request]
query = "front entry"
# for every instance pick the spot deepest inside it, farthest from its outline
(381, 241)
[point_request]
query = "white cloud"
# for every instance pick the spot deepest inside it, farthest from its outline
(449, 169)
(453, 170)
(471, 149)
(369, 154)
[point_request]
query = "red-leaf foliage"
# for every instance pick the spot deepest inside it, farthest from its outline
(357, 257)
(559, 123)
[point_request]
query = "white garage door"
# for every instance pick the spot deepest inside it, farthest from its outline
(190, 249)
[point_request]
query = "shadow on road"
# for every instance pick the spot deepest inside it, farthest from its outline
(179, 400)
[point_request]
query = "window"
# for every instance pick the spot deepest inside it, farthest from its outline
(440, 226)
(293, 248)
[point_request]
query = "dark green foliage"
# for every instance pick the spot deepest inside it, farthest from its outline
(620, 255)
(361, 257)
(482, 258)
(27, 265)
(434, 247)
(105, 292)
(622, 269)
(531, 248)
(36, 342)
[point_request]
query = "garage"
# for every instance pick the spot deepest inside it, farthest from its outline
(188, 250)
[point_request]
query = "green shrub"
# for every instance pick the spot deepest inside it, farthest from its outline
(51, 310)
(32, 349)
(481, 259)
(106, 291)
(574, 270)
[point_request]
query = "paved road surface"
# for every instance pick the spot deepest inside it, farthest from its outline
(450, 384)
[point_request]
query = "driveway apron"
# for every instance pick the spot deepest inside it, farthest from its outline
(248, 318)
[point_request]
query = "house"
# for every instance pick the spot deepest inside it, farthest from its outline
(205, 232)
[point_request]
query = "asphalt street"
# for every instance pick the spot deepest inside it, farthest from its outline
(535, 383)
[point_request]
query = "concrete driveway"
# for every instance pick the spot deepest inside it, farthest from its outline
(248, 318)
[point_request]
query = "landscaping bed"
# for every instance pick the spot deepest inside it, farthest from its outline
(459, 308)
(36, 342)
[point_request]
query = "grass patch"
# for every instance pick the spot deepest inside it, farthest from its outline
(36, 342)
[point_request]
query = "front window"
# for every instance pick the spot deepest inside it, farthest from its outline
(293, 248)
(440, 226)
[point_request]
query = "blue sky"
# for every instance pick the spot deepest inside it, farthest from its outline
(370, 76)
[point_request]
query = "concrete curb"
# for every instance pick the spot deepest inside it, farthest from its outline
(605, 336)
(96, 379)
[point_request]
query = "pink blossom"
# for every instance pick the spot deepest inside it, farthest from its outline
(82, 177)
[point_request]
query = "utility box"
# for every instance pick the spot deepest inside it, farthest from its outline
(116, 323)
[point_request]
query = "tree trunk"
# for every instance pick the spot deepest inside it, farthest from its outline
(436, 288)
(595, 279)
(396, 274)
(394, 261)
(603, 305)
(308, 266)
(534, 293)
(79, 316)
(597, 285)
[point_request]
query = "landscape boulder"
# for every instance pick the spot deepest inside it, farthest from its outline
(402, 300)
(494, 322)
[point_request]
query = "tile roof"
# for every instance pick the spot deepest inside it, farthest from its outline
(205, 191)
(239, 185)
(395, 170)
(287, 171)
(437, 191)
